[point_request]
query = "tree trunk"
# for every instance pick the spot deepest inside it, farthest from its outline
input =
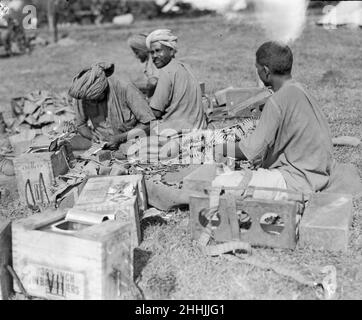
(53, 19)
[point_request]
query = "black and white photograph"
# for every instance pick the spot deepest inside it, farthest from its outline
(180, 155)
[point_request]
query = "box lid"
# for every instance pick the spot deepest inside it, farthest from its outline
(109, 191)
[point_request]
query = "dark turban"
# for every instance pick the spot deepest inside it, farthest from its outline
(91, 82)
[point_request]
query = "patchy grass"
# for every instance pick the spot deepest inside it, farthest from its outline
(168, 265)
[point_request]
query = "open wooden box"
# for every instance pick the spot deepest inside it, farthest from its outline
(60, 258)
(249, 219)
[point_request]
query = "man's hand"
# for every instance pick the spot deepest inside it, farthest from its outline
(158, 114)
(97, 136)
(85, 132)
(219, 155)
(115, 142)
(222, 151)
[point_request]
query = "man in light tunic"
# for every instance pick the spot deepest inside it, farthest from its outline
(177, 99)
(292, 143)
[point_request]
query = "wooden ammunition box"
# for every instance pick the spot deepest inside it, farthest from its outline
(220, 95)
(60, 259)
(31, 166)
(66, 198)
(98, 197)
(231, 96)
(200, 179)
(248, 102)
(5, 259)
(326, 222)
(21, 142)
(228, 227)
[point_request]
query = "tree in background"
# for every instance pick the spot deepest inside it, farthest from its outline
(53, 9)
(52, 15)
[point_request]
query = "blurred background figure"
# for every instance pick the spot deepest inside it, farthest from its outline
(138, 45)
(11, 33)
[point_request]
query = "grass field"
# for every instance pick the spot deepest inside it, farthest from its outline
(221, 53)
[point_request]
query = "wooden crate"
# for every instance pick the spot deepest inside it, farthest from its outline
(200, 179)
(92, 263)
(246, 102)
(31, 166)
(21, 142)
(67, 198)
(95, 197)
(220, 95)
(227, 228)
(5, 259)
(326, 222)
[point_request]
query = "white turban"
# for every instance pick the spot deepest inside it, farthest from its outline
(163, 36)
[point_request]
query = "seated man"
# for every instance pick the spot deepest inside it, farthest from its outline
(292, 142)
(113, 106)
(138, 46)
(177, 99)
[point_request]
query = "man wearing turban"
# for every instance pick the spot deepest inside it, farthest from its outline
(113, 106)
(138, 45)
(177, 99)
(176, 102)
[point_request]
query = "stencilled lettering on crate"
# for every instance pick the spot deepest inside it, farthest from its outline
(55, 283)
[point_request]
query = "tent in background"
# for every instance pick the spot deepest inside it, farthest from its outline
(220, 6)
(345, 13)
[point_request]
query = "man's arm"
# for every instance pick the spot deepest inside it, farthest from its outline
(232, 150)
(157, 113)
(146, 86)
(81, 121)
(256, 145)
(138, 105)
(151, 86)
(141, 85)
(140, 131)
(161, 97)
(143, 112)
(237, 151)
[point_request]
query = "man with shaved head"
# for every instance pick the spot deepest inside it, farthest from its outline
(292, 144)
